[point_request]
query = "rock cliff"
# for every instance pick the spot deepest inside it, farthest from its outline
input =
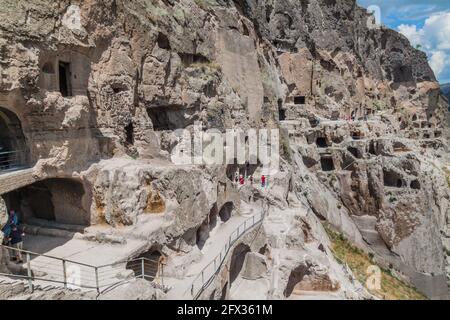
(92, 93)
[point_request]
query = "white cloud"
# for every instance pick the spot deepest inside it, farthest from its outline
(411, 32)
(433, 38)
(438, 61)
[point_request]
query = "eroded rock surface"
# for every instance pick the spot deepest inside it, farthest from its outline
(92, 93)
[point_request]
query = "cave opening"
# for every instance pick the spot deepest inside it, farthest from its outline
(64, 79)
(392, 179)
(57, 199)
(281, 110)
(327, 163)
(355, 152)
(13, 153)
(237, 260)
(146, 265)
(226, 211)
(321, 142)
(295, 278)
(169, 117)
(299, 100)
(163, 41)
(206, 227)
(415, 184)
(129, 134)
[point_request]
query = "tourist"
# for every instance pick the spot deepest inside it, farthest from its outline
(16, 241)
(250, 178)
(263, 181)
(12, 220)
(241, 179)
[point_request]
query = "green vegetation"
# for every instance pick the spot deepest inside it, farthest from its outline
(447, 174)
(359, 262)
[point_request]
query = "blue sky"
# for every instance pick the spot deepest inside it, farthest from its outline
(425, 23)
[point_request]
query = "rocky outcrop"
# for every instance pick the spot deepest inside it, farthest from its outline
(93, 93)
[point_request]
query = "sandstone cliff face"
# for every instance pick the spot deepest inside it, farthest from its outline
(96, 90)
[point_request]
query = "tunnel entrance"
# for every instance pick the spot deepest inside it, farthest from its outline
(64, 79)
(12, 142)
(58, 200)
(237, 260)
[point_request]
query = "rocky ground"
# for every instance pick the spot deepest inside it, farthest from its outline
(92, 93)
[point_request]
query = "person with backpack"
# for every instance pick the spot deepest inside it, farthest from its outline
(16, 241)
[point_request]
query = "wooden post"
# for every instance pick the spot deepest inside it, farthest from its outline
(96, 280)
(64, 273)
(29, 274)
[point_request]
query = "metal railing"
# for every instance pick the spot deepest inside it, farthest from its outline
(208, 273)
(12, 160)
(75, 275)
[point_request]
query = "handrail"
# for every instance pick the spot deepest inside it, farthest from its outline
(12, 160)
(48, 256)
(91, 277)
(221, 258)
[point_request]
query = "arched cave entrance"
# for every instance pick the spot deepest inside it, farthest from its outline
(226, 211)
(58, 200)
(295, 277)
(13, 150)
(205, 228)
(147, 265)
(237, 260)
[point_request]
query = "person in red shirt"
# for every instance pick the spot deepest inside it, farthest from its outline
(263, 181)
(241, 179)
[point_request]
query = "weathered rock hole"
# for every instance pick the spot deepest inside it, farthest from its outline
(163, 41)
(309, 162)
(415, 184)
(48, 68)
